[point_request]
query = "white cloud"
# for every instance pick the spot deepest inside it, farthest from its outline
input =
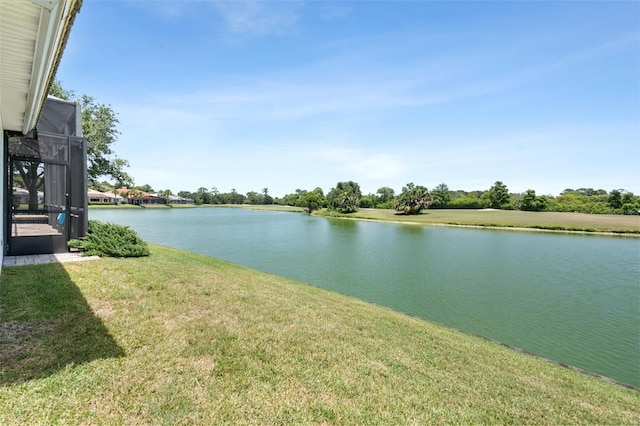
(361, 163)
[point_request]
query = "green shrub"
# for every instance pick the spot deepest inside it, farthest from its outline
(468, 203)
(108, 239)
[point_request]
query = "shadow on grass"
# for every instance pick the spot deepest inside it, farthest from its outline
(410, 214)
(46, 324)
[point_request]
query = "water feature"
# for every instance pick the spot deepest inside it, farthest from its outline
(572, 298)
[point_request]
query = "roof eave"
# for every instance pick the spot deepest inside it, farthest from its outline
(56, 19)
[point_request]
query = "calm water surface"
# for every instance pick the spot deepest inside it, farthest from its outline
(571, 298)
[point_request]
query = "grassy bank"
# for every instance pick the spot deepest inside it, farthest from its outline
(112, 206)
(178, 338)
(557, 221)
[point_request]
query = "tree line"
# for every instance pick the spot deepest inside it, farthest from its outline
(347, 197)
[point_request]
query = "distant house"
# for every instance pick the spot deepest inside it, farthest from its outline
(116, 198)
(21, 196)
(174, 199)
(138, 198)
(104, 197)
(153, 199)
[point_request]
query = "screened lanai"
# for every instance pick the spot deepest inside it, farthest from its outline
(46, 176)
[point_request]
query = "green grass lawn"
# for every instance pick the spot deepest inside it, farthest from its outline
(113, 206)
(179, 338)
(509, 219)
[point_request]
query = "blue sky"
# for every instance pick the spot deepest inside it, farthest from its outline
(301, 94)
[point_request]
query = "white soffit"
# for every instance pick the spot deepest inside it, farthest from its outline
(32, 35)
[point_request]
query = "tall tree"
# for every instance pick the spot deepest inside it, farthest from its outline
(203, 196)
(311, 201)
(615, 199)
(531, 202)
(254, 198)
(345, 197)
(440, 196)
(165, 195)
(385, 194)
(215, 196)
(266, 198)
(498, 195)
(99, 127)
(146, 188)
(32, 175)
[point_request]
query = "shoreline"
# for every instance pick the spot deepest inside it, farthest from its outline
(489, 227)
(510, 220)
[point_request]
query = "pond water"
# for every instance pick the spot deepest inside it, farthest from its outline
(572, 298)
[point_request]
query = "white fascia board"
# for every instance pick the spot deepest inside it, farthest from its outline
(47, 4)
(48, 41)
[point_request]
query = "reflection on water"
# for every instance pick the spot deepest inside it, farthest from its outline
(572, 298)
(343, 224)
(411, 229)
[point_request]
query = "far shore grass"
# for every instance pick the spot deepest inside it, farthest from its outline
(488, 218)
(180, 338)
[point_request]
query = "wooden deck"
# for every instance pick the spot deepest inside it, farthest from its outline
(29, 225)
(33, 229)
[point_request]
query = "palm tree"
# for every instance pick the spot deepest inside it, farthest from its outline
(345, 197)
(266, 198)
(165, 195)
(347, 202)
(413, 199)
